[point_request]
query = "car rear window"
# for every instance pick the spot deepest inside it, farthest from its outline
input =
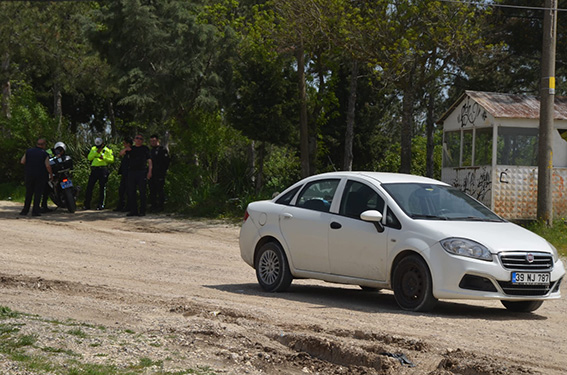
(287, 197)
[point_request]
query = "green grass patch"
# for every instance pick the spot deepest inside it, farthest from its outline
(556, 235)
(50, 349)
(23, 350)
(146, 362)
(7, 329)
(95, 369)
(78, 332)
(6, 312)
(11, 191)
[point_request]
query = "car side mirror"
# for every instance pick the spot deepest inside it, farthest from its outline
(374, 217)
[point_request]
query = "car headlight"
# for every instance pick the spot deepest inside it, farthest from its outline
(466, 248)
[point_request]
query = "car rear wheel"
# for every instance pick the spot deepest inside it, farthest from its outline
(522, 306)
(412, 284)
(272, 268)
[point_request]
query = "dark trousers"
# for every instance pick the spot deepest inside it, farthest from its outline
(34, 189)
(45, 195)
(157, 194)
(100, 175)
(123, 191)
(137, 182)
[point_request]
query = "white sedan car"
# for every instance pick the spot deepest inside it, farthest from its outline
(420, 237)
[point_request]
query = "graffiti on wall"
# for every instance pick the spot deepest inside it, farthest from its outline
(470, 111)
(475, 182)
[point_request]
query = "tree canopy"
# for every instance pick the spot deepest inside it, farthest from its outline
(248, 85)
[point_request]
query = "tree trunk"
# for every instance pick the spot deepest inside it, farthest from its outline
(349, 134)
(313, 118)
(303, 125)
(6, 88)
(111, 117)
(252, 162)
(407, 124)
(57, 107)
(429, 131)
(260, 174)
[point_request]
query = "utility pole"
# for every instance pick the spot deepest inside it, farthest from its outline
(546, 112)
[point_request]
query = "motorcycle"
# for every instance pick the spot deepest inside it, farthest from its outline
(62, 191)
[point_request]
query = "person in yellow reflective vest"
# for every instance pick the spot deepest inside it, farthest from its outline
(100, 157)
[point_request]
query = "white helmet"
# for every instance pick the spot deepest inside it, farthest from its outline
(60, 144)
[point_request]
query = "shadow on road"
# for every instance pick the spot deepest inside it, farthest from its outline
(383, 301)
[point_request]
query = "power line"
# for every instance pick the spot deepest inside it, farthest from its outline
(494, 5)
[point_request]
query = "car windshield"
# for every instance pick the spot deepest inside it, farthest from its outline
(438, 202)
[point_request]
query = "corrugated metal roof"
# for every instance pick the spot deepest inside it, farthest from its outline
(510, 105)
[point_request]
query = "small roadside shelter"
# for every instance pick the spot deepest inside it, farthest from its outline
(490, 148)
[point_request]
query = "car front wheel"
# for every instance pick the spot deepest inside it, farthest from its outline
(272, 268)
(412, 284)
(522, 306)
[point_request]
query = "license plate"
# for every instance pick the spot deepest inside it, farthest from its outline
(66, 184)
(530, 278)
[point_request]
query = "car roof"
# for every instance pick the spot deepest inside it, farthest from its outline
(381, 177)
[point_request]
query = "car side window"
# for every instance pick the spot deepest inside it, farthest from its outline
(318, 195)
(357, 198)
(287, 197)
(392, 220)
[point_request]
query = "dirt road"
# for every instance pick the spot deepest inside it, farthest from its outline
(182, 282)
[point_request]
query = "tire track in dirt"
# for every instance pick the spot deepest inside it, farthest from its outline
(255, 340)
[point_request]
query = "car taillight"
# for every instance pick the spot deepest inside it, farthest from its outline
(246, 215)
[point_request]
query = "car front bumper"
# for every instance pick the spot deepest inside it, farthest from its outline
(458, 277)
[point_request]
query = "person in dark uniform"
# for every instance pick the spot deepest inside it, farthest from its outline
(139, 172)
(123, 172)
(37, 172)
(160, 164)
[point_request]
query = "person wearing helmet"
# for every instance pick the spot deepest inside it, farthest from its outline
(100, 157)
(59, 148)
(63, 160)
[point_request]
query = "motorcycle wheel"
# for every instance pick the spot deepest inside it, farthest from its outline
(54, 195)
(70, 201)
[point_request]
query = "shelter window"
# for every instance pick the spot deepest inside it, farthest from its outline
(467, 148)
(452, 149)
(483, 147)
(517, 146)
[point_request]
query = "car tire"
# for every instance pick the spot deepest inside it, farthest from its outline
(272, 268)
(522, 306)
(412, 284)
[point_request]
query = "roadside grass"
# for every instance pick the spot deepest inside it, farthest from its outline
(12, 192)
(556, 235)
(27, 351)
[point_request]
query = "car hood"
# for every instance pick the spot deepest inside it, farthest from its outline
(497, 237)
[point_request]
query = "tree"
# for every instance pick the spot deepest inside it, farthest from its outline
(298, 32)
(413, 43)
(165, 60)
(263, 107)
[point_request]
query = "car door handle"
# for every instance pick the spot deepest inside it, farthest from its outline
(287, 215)
(335, 225)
